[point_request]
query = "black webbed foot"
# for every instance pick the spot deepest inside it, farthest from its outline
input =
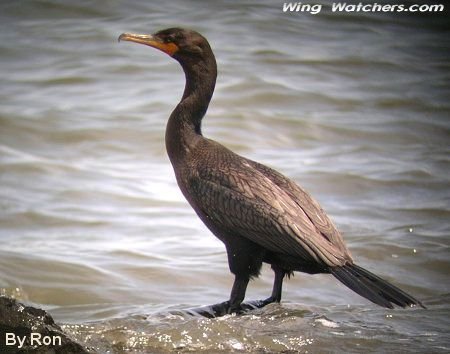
(224, 308)
(269, 300)
(235, 309)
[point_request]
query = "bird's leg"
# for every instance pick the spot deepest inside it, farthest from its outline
(277, 286)
(237, 293)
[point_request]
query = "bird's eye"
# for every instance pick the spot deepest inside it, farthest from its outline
(169, 39)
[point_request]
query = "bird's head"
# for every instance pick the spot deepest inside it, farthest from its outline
(179, 43)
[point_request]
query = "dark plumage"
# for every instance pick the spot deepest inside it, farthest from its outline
(259, 214)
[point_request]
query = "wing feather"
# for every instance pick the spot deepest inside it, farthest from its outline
(240, 196)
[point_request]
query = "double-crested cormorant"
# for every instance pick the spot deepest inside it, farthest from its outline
(259, 214)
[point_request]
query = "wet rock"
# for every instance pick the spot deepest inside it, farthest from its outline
(26, 329)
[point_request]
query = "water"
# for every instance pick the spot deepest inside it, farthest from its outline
(355, 107)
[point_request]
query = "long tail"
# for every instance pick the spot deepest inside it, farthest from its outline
(372, 287)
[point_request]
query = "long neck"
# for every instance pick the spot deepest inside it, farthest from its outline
(184, 126)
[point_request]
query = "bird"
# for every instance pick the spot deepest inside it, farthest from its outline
(260, 215)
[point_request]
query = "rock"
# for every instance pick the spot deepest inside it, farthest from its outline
(26, 329)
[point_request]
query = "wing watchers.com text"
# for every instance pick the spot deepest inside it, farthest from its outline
(361, 7)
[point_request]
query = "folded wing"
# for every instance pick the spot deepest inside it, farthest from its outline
(255, 202)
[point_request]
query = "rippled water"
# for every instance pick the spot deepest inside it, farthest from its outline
(355, 107)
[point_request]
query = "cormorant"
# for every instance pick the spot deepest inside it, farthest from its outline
(259, 214)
